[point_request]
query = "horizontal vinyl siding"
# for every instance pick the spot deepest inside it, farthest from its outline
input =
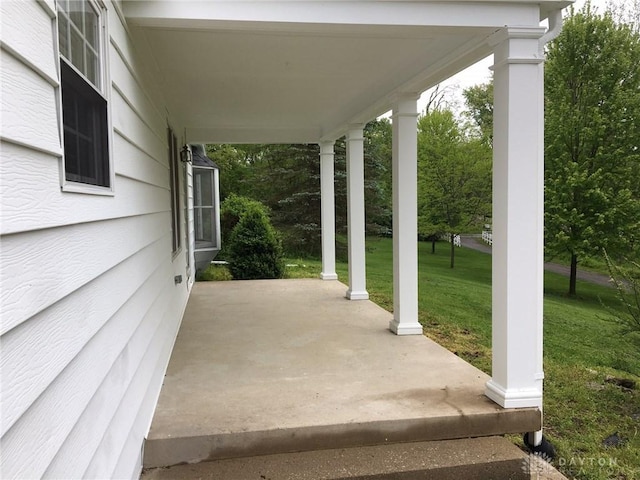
(89, 305)
(40, 268)
(31, 199)
(51, 339)
(33, 440)
(37, 45)
(28, 110)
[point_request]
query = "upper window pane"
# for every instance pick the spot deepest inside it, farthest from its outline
(77, 51)
(78, 29)
(63, 35)
(91, 64)
(76, 13)
(91, 28)
(203, 196)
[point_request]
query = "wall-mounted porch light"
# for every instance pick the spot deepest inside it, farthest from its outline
(185, 154)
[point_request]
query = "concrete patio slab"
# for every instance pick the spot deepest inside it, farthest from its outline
(273, 366)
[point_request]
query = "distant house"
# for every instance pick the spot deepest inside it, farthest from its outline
(99, 99)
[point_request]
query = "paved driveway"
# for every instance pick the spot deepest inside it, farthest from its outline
(476, 243)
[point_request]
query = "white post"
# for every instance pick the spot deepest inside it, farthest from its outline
(328, 214)
(355, 214)
(405, 217)
(518, 219)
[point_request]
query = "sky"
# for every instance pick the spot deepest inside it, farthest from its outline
(480, 73)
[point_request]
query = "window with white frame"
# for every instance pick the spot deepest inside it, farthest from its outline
(174, 183)
(84, 104)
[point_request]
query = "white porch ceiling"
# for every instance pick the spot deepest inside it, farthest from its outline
(303, 71)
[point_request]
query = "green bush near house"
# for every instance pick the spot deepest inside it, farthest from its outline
(231, 210)
(214, 273)
(255, 250)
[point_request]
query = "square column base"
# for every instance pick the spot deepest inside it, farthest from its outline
(329, 276)
(363, 295)
(413, 328)
(521, 398)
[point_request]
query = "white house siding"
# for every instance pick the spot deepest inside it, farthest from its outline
(89, 305)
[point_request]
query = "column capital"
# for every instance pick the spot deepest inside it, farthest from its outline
(517, 46)
(326, 147)
(405, 105)
(508, 33)
(400, 99)
(355, 132)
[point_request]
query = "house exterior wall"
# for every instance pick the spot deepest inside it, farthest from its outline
(89, 307)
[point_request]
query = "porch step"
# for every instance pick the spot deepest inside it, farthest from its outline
(437, 423)
(482, 458)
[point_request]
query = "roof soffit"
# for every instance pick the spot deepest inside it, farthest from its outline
(248, 71)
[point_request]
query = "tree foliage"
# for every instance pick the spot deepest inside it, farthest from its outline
(288, 181)
(233, 166)
(286, 178)
(454, 176)
(479, 101)
(377, 176)
(626, 11)
(627, 284)
(592, 138)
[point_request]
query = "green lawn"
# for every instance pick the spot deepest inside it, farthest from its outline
(582, 349)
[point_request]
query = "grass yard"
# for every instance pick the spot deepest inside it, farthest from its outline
(584, 351)
(582, 348)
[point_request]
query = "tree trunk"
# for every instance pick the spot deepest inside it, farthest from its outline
(452, 249)
(433, 246)
(573, 275)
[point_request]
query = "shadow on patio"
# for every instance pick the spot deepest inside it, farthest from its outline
(271, 366)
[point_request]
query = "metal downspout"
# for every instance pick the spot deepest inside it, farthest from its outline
(535, 440)
(555, 27)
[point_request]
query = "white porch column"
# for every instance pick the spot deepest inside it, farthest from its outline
(518, 219)
(328, 214)
(405, 217)
(355, 214)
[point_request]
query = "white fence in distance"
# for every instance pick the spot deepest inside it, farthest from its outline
(487, 237)
(456, 239)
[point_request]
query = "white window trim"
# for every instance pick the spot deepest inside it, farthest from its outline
(178, 224)
(105, 92)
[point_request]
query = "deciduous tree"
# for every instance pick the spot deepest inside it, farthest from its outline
(454, 176)
(592, 135)
(479, 100)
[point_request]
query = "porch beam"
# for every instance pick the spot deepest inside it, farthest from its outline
(283, 15)
(328, 214)
(355, 213)
(518, 219)
(405, 216)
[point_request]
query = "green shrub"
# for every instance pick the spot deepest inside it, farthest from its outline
(214, 273)
(233, 207)
(255, 250)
